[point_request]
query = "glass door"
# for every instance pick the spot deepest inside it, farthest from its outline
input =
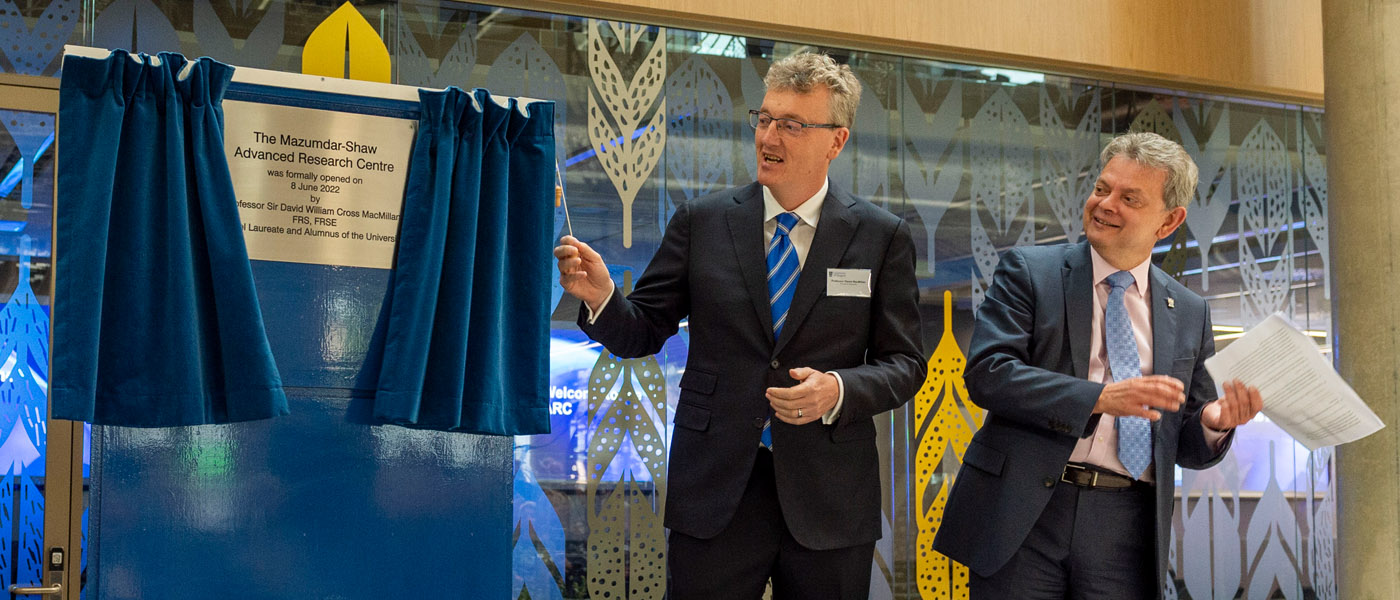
(41, 460)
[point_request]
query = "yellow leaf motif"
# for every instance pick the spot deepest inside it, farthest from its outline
(945, 420)
(343, 42)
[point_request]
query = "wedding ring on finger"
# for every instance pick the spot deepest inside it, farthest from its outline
(799, 413)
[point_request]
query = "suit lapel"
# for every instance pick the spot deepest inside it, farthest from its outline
(1163, 323)
(1163, 329)
(746, 230)
(1079, 305)
(834, 233)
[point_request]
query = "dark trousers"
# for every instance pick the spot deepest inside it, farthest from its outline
(1089, 544)
(737, 563)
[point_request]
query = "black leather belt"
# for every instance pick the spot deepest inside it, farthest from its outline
(1099, 480)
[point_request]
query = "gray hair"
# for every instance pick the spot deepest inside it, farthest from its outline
(1154, 151)
(803, 72)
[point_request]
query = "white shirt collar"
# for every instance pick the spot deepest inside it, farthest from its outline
(1102, 270)
(810, 211)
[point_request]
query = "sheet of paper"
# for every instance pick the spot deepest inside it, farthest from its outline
(1301, 391)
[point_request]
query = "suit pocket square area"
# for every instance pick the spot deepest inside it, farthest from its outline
(984, 457)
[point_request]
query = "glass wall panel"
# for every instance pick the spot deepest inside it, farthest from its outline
(977, 159)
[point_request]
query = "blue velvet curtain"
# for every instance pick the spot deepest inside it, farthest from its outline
(156, 321)
(467, 340)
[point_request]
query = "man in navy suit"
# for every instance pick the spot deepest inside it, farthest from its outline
(773, 466)
(1091, 365)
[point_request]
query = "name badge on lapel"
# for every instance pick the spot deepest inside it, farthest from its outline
(848, 282)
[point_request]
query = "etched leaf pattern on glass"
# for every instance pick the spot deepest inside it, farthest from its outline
(626, 535)
(526, 69)
(1312, 199)
(34, 50)
(1208, 121)
(1265, 225)
(1272, 543)
(863, 167)
(136, 25)
(700, 131)
(24, 348)
(882, 567)
(454, 67)
(260, 49)
(537, 561)
(1322, 519)
(33, 135)
(626, 116)
(1153, 118)
(1210, 512)
(933, 157)
(1068, 158)
(1002, 165)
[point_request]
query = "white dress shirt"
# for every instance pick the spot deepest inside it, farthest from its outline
(808, 214)
(1101, 448)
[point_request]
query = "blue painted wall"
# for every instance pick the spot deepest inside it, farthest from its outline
(313, 505)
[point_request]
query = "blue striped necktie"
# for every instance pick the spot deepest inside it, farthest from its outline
(782, 285)
(1134, 433)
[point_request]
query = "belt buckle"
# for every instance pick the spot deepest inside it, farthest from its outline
(1093, 476)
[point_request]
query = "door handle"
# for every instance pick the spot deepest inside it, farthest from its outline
(45, 590)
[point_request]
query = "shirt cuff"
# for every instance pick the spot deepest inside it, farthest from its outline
(831, 415)
(1214, 438)
(593, 316)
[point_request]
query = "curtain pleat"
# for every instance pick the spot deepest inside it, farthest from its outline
(466, 345)
(156, 320)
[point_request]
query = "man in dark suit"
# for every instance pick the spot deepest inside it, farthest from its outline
(804, 325)
(1090, 363)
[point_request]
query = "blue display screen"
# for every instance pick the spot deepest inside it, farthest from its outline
(561, 455)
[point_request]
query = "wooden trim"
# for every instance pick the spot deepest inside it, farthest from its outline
(1256, 77)
(27, 93)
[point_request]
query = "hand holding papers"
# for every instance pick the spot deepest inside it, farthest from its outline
(1302, 393)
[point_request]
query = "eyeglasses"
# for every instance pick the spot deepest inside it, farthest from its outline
(787, 127)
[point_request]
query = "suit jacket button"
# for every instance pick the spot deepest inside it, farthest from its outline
(758, 422)
(1049, 482)
(774, 364)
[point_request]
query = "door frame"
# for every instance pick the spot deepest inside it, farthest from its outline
(64, 500)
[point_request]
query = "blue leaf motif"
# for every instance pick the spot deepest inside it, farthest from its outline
(261, 47)
(538, 527)
(137, 26)
(33, 133)
(33, 51)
